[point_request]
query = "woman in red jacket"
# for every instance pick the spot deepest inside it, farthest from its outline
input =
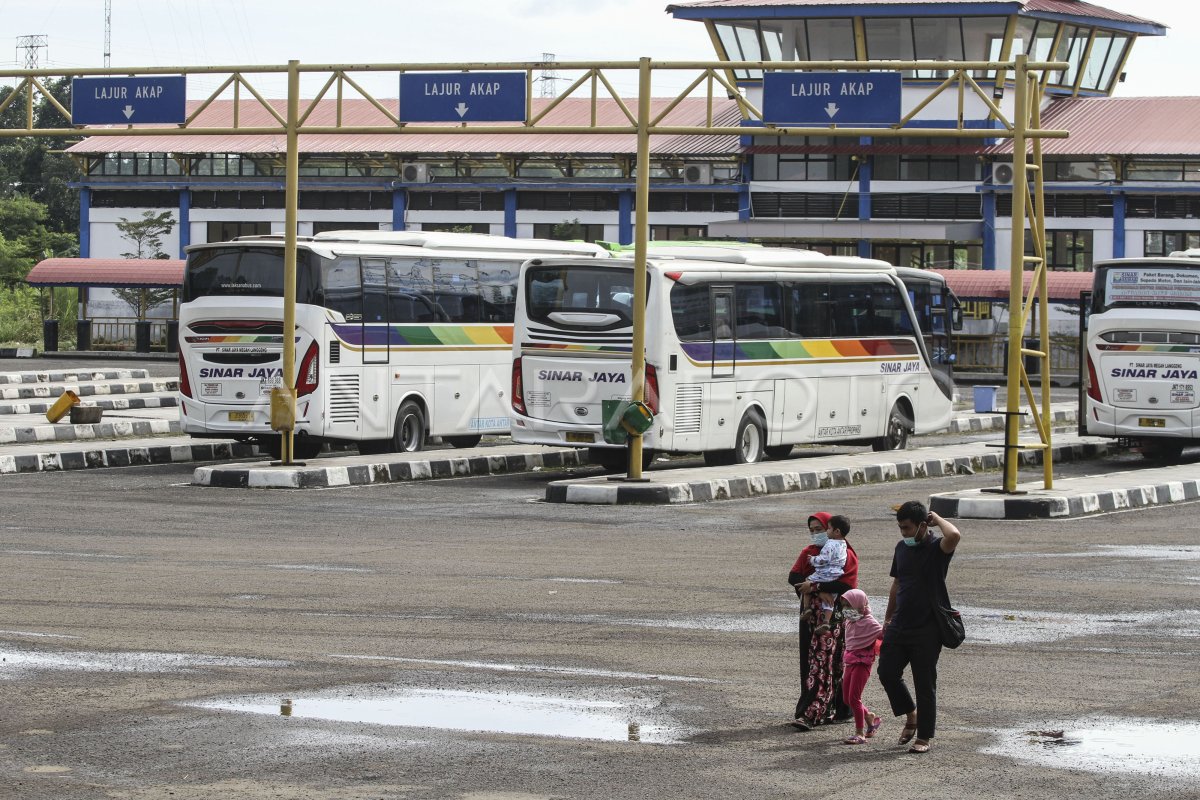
(821, 653)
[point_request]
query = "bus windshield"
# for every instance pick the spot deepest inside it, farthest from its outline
(553, 289)
(1146, 285)
(248, 271)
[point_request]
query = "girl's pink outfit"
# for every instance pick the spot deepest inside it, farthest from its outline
(862, 644)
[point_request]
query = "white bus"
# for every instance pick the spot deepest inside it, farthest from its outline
(1142, 353)
(748, 352)
(399, 336)
(939, 316)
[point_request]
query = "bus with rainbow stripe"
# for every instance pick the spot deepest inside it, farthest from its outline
(399, 336)
(749, 352)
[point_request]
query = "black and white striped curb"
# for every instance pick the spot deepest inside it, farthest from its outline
(117, 456)
(801, 480)
(1067, 499)
(76, 376)
(88, 389)
(995, 422)
(113, 404)
(434, 466)
(118, 429)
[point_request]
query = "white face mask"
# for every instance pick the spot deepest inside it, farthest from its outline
(851, 614)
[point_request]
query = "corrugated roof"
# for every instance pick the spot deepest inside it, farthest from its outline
(978, 284)
(691, 111)
(1120, 126)
(108, 272)
(1073, 8)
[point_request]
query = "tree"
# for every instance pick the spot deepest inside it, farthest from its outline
(24, 239)
(568, 230)
(146, 236)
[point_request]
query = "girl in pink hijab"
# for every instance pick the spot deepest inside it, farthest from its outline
(863, 634)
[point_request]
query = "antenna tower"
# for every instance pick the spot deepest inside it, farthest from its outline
(548, 77)
(107, 33)
(31, 45)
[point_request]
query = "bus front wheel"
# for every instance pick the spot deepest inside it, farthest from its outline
(898, 429)
(409, 435)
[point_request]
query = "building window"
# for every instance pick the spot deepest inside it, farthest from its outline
(812, 158)
(677, 233)
(930, 255)
(134, 164)
(322, 227)
(1069, 251)
(228, 231)
(569, 230)
(934, 39)
(1163, 243)
(785, 40)
(1066, 205)
(457, 227)
(1080, 170)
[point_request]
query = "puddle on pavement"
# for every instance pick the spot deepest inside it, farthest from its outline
(15, 663)
(1156, 552)
(1110, 745)
(1009, 626)
(726, 623)
(482, 712)
(531, 668)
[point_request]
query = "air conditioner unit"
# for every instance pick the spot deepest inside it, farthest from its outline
(1002, 173)
(414, 173)
(697, 173)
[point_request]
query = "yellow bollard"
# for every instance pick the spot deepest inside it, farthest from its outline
(62, 405)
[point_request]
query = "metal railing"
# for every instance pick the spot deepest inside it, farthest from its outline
(989, 354)
(121, 334)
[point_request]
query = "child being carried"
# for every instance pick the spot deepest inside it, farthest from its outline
(828, 566)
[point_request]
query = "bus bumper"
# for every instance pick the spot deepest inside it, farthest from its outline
(1135, 423)
(214, 419)
(526, 430)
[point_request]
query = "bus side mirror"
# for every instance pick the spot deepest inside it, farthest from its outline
(956, 321)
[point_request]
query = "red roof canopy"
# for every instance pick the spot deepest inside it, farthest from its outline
(119, 273)
(979, 284)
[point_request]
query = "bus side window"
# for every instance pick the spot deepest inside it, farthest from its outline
(343, 291)
(691, 313)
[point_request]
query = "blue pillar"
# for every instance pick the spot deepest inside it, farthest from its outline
(1118, 226)
(864, 196)
(625, 217)
(989, 230)
(185, 220)
(745, 207)
(399, 207)
(85, 222)
(510, 213)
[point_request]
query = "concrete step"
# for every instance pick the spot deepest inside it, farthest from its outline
(74, 376)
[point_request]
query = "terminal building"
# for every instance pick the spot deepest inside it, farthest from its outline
(1125, 183)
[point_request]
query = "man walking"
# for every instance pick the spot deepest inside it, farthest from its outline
(911, 635)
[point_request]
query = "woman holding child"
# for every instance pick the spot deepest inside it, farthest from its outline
(826, 569)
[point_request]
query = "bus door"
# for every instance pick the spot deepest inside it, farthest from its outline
(724, 333)
(376, 339)
(721, 395)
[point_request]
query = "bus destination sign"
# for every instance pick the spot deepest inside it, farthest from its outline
(462, 97)
(821, 99)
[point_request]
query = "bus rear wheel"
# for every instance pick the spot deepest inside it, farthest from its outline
(751, 442)
(409, 434)
(896, 437)
(462, 442)
(1163, 451)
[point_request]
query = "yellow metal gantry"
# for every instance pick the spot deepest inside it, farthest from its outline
(710, 77)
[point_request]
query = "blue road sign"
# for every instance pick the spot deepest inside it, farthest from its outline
(462, 97)
(831, 98)
(128, 101)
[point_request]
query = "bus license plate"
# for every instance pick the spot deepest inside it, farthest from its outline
(1152, 422)
(580, 438)
(241, 416)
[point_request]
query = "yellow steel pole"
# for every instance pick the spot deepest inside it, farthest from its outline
(1037, 227)
(641, 236)
(1016, 317)
(291, 201)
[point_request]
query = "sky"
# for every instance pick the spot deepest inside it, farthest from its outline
(240, 32)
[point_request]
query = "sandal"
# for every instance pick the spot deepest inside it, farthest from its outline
(907, 734)
(801, 724)
(874, 726)
(920, 747)
(856, 739)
